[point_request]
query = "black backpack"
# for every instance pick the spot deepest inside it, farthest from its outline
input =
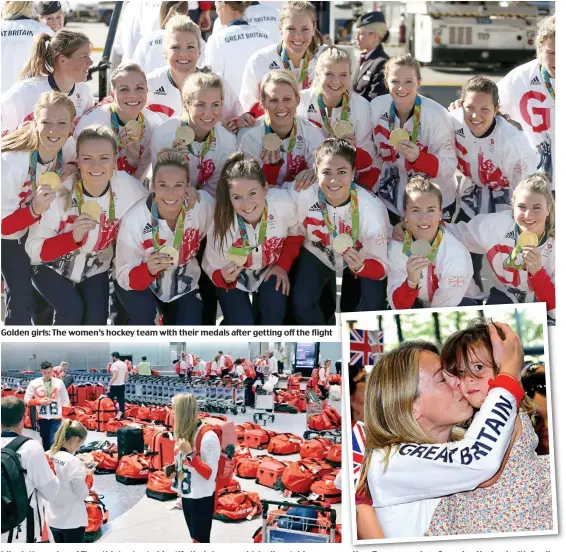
(15, 500)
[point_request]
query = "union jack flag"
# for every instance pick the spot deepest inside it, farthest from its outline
(358, 448)
(364, 346)
(456, 281)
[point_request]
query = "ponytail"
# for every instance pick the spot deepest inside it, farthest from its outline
(169, 9)
(66, 431)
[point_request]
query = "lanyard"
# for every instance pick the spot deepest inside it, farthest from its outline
(407, 242)
(292, 139)
(79, 195)
(179, 226)
(246, 248)
(32, 171)
(116, 125)
(324, 112)
(416, 116)
(205, 149)
(354, 205)
(303, 79)
(547, 81)
(47, 385)
(510, 262)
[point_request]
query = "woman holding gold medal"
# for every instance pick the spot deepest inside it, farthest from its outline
(33, 158)
(282, 143)
(160, 271)
(519, 245)
(413, 135)
(198, 132)
(339, 112)
(429, 267)
(71, 248)
(251, 245)
(345, 229)
(129, 119)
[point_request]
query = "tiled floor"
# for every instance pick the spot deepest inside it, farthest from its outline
(135, 518)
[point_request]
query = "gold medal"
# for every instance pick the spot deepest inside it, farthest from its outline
(172, 252)
(133, 130)
(92, 209)
(421, 248)
(186, 134)
(50, 179)
(397, 136)
(271, 142)
(240, 260)
(342, 242)
(180, 475)
(342, 129)
(527, 239)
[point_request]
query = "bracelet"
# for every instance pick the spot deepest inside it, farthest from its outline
(35, 215)
(412, 285)
(360, 269)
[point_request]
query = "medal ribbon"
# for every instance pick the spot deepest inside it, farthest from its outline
(547, 81)
(179, 227)
(116, 125)
(354, 205)
(205, 149)
(416, 118)
(407, 242)
(79, 195)
(304, 74)
(32, 171)
(246, 248)
(510, 262)
(324, 112)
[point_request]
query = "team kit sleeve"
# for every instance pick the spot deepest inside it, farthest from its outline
(374, 242)
(249, 93)
(417, 472)
(64, 395)
(15, 217)
(77, 479)
(455, 279)
(40, 473)
(11, 114)
(521, 158)
(214, 261)
(475, 233)
(232, 107)
(399, 294)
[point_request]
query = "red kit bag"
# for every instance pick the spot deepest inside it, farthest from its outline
(316, 448)
(284, 443)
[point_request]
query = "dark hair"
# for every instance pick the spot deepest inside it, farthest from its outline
(116, 354)
(534, 381)
(336, 147)
(13, 410)
(238, 6)
(144, 358)
(419, 183)
(238, 165)
(480, 83)
(45, 365)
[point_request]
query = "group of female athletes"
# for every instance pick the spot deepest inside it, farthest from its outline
(260, 210)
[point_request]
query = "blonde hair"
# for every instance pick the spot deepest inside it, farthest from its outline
(546, 30)
(405, 60)
(127, 67)
(332, 54)
(13, 10)
(171, 158)
(278, 77)
(67, 430)
(380, 29)
(180, 23)
(169, 9)
(298, 6)
(26, 138)
(186, 421)
(540, 184)
(196, 81)
(47, 49)
(391, 390)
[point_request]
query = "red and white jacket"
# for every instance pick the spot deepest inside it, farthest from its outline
(443, 284)
(222, 147)
(309, 138)
(492, 165)
(360, 118)
(437, 159)
(281, 245)
(36, 391)
(18, 103)
(524, 97)
(494, 236)
(17, 192)
(262, 62)
(164, 98)
(51, 241)
(371, 243)
(135, 245)
(101, 115)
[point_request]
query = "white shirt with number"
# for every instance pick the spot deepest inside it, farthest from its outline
(443, 283)
(121, 370)
(524, 96)
(68, 510)
(436, 136)
(37, 390)
(135, 245)
(97, 252)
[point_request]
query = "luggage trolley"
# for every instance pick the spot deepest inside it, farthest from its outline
(280, 527)
(264, 401)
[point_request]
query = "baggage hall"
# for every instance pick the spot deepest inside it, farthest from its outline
(265, 458)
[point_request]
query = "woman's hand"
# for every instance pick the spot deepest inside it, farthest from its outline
(45, 402)
(354, 259)
(185, 446)
(305, 179)
(231, 272)
(231, 126)
(409, 150)
(282, 279)
(455, 105)
(192, 197)
(507, 350)
(42, 199)
(82, 226)
(533, 259)
(246, 120)
(68, 170)
(158, 262)
(399, 231)
(415, 266)
(131, 147)
(270, 157)
(179, 145)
